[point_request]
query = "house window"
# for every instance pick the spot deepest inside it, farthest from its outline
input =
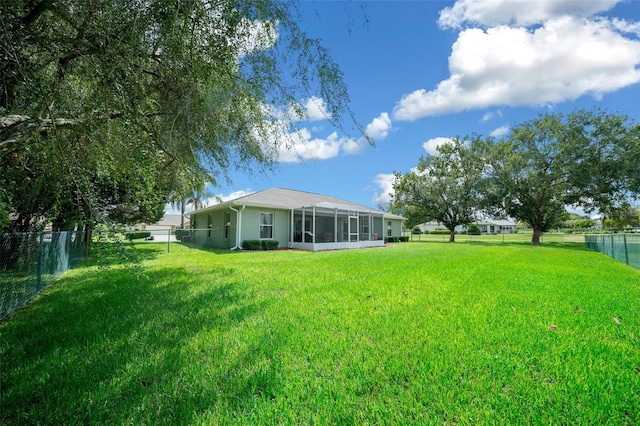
(227, 225)
(389, 229)
(266, 225)
(208, 226)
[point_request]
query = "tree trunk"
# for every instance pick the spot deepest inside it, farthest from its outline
(452, 235)
(535, 239)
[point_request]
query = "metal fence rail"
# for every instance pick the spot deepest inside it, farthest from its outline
(623, 247)
(30, 262)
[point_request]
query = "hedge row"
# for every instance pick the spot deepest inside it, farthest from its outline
(181, 233)
(260, 245)
(402, 239)
(137, 235)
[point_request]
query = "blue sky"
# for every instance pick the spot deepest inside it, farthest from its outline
(419, 72)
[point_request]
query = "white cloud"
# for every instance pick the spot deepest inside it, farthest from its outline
(562, 60)
(311, 109)
(353, 147)
(500, 131)
(301, 146)
(517, 12)
(626, 27)
(490, 116)
(431, 146)
(379, 126)
(252, 35)
(211, 201)
(384, 181)
(221, 198)
(296, 146)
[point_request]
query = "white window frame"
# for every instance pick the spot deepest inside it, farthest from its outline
(227, 225)
(261, 225)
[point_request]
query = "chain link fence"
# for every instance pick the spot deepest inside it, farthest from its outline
(30, 262)
(623, 247)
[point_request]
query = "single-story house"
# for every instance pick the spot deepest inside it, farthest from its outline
(169, 222)
(497, 226)
(432, 226)
(295, 219)
(487, 226)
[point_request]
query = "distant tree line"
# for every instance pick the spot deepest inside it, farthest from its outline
(585, 159)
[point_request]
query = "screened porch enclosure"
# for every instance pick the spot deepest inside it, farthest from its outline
(327, 226)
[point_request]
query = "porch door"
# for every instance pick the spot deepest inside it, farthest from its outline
(353, 226)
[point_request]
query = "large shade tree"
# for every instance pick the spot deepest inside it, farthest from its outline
(111, 102)
(445, 187)
(585, 159)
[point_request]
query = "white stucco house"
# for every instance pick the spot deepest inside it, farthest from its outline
(487, 226)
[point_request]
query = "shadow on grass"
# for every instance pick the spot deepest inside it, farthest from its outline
(103, 346)
(118, 253)
(192, 246)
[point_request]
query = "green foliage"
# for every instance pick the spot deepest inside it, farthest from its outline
(251, 245)
(553, 161)
(403, 239)
(623, 217)
(119, 106)
(416, 230)
(269, 244)
(584, 223)
(391, 239)
(182, 233)
(286, 337)
(445, 187)
(260, 245)
(440, 232)
(474, 229)
(137, 235)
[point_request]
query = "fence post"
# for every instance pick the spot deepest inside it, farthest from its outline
(626, 252)
(169, 240)
(39, 278)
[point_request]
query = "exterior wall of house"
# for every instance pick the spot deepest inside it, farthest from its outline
(281, 226)
(393, 227)
(208, 228)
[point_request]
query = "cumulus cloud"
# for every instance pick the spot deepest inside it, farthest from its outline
(431, 146)
(296, 146)
(384, 181)
(626, 27)
(517, 12)
(221, 198)
(490, 116)
(211, 201)
(379, 127)
(311, 109)
(500, 131)
(302, 146)
(563, 59)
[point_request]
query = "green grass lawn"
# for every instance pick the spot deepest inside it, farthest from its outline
(427, 333)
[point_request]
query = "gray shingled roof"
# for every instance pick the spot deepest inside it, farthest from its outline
(288, 198)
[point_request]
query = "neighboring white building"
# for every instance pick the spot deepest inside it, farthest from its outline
(433, 226)
(487, 226)
(497, 226)
(169, 222)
